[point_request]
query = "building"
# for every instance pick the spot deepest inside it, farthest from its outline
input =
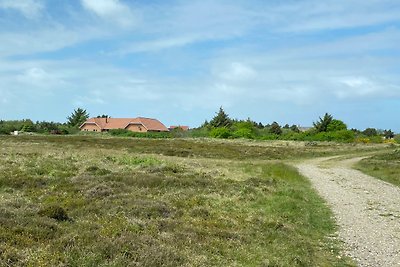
(141, 125)
(183, 128)
(304, 129)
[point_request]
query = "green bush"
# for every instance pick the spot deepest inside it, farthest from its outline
(376, 139)
(120, 132)
(244, 129)
(199, 132)
(221, 132)
(243, 133)
(127, 133)
(397, 138)
(341, 136)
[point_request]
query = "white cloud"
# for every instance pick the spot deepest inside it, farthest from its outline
(356, 87)
(29, 8)
(112, 10)
(314, 15)
(95, 97)
(159, 44)
(37, 78)
(51, 38)
(237, 71)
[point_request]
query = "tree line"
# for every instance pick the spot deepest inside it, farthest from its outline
(77, 117)
(326, 128)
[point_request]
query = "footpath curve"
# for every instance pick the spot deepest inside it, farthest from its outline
(367, 210)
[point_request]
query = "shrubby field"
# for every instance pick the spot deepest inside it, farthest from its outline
(383, 166)
(91, 201)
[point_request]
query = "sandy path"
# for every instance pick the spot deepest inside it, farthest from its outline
(367, 210)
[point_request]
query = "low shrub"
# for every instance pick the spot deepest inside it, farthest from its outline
(139, 161)
(376, 139)
(199, 132)
(221, 132)
(55, 212)
(97, 171)
(363, 140)
(244, 133)
(127, 133)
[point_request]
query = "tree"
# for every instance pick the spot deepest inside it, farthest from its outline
(336, 125)
(322, 124)
(388, 134)
(275, 128)
(27, 126)
(46, 126)
(221, 119)
(370, 132)
(294, 128)
(77, 117)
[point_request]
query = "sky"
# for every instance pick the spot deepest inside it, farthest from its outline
(179, 61)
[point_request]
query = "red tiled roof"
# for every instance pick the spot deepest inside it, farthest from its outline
(122, 123)
(184, 128)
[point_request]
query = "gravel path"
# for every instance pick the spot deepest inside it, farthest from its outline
(367, 210)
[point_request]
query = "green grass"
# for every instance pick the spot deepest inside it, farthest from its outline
(196, 148)
(114, 202)
(383, 166)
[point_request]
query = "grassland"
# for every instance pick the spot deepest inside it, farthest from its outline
(383, 166)
(92, 201)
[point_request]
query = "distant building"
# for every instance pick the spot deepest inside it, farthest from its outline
(304, 129)
(139, 124)
(183, 128)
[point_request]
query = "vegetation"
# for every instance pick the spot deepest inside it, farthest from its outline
(41, 127)
(384, 166)
(78, 117)
(95, 201)
(323, 123)
(326, 128)
(127, 133)
(220, 126)
(220, 120)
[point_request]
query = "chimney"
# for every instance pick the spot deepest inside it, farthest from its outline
(107, 119)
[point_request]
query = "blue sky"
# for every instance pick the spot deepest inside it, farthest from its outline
(179, 61)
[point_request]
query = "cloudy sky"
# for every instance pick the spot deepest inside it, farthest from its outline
(179, 61)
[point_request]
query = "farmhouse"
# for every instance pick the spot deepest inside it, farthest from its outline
(183, 128)
(132, 124)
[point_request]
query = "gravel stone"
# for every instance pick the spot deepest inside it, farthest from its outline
(366, 209)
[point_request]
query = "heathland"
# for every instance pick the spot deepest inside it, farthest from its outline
(113, 201)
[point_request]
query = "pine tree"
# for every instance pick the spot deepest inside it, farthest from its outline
(221, 119)
(322, 124)
(77, 117)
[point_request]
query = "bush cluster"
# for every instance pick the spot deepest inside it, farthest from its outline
(325, 129)
(42, 127)
(127, 133)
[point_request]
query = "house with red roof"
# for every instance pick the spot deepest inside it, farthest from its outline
(183, 128)
(139, 124)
